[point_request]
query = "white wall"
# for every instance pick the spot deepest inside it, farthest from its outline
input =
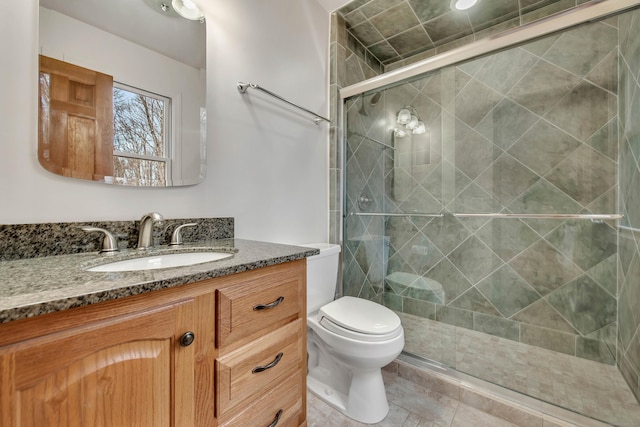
(267, 165)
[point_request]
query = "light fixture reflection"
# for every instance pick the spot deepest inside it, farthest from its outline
(404, 116)
(188, 10)
(409, 118)
(463, 4)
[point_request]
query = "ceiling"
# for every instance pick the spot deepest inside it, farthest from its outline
(138, 22)
(393, 30)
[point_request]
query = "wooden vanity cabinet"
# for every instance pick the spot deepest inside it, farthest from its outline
(132, 362)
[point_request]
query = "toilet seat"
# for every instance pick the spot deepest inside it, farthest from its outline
(360, 319)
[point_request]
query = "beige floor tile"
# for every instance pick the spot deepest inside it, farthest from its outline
(467, 416)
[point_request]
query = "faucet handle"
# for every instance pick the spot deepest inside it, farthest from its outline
(109, 243)
(176, 237)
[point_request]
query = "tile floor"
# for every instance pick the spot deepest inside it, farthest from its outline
(410, 405)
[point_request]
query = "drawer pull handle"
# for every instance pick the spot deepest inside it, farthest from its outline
(258, 369)
(276, 419)
(270, 305)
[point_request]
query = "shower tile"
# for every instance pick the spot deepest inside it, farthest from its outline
(591, 349)
(420, 253)
(543, 86)
(543, 147)
(497, 326)
(395, 20)
(473, 152)
(492, 12)
(474, 301)
(453, 283)
(468, 415)
(383, 51)
(539, 47)
(454, 316)
(582, 48)
(420, 201)
(507, 238)
(393, 302)
(427, 404)
(575, 302)
(448, 27)
(605, 274)
(543, 197)
(550, 9)
(544, 267)
(605, 74)
(375, 7)
(418, 307)
(474, 102)
(584, 175)
(446, 232)
(506, 179)
(353, 279)
(366, 33)
(506, 123)
(542, 314)
(605, 140)
(474, 259)
(586, 243)
(584, 110)
(504, 69)
(626, 322)
(407, 41)
(507, 291)
(548, 338)
(428, 10)
(400, 230)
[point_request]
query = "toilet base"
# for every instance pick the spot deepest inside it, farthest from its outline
(365, 401)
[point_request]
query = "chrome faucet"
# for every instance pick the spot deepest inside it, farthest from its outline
(145, 234)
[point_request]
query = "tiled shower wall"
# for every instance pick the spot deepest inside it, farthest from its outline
(528, 130)
(629, 232)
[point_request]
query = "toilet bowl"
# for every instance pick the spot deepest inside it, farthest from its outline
(349, 340)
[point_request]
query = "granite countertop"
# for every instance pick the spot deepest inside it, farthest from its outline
(35, 286)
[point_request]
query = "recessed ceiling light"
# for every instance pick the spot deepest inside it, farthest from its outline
(462, 4)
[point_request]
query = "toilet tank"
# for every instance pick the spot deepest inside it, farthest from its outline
(322, 275)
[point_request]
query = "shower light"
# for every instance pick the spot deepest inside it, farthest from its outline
(420, 129)
(413, 123)
(188, 10)
(404, 116)
(408, 116)
(463, 4)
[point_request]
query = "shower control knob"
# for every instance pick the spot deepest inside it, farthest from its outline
(187, 339)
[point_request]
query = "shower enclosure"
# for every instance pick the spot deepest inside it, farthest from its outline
(488, 203)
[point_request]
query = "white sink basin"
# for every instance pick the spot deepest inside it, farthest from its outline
(161, 261)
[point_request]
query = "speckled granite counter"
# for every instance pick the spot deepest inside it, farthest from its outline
(35, 286)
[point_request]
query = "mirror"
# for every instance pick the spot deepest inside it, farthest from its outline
(156, 61)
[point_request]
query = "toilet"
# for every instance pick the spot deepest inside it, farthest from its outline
(349, 340)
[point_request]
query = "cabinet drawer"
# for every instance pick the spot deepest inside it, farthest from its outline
(252, 369)
(286, 399)
(262, 302)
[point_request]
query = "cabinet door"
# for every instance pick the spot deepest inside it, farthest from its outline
(126, 371)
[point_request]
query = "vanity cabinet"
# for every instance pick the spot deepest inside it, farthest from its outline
(182, 356)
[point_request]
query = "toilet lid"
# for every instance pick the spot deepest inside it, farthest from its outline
(361, 315)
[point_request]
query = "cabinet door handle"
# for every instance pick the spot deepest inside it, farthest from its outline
(269, 366)
(187, 339)
(276, 419)
(270, 305)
